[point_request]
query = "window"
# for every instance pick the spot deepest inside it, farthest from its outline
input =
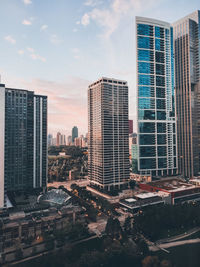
(145, 91)
(159, 44)
(147, 151)
(145, 55)
(161, 115)
(161, 139)
(162, 163)
(147, 139)
(146, 103)
(145, 42)
(146, 115)
(160, 92)
(147, 127)
(159, 32)
(161, 127)
(143, 29)
(160, 69)
(160, 104)
(162, 151)
(145, 67)
(147, 163)
(146, 79)
(160, 81)
(160, 57)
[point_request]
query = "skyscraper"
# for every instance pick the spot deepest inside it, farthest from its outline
(108, 148)
(156, 104)
(23, 140)
(74, 133)
(187, 86)
(58, 139)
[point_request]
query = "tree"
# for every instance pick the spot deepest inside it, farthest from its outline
(19, 254)
(151, 261)
(49, 244)
(132, 184)
(113, 228)
(127, 225)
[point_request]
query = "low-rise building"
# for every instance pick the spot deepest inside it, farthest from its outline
(179, 190)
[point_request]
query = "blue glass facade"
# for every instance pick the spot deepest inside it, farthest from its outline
(156, 107)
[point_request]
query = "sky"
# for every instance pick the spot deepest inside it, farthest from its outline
(58, 47)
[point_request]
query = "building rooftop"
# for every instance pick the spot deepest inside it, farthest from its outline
(109, 80)
(146, 195)
(172, 184)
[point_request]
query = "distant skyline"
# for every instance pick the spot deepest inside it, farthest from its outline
(58, 47)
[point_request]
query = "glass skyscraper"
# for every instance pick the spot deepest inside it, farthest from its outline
(157, 150)
(187, 86)
(74, 133)
(108, 132)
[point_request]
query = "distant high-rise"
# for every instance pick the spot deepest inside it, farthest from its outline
(58, 139)
(69, 140)
(23, 140)
(108, 148)
(74, 133)
(187, 87)
(156, 104)
(50, 140)
(130, 123)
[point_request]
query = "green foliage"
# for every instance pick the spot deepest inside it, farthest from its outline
(158, 222)
(113, 228)
(49, 244)
(19, 254)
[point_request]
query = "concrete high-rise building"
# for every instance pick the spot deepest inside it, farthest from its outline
(23, 140)
(108, 147)
(187, 87)
(74, 133)
(157, 150)
(58, 139)
(69, 140)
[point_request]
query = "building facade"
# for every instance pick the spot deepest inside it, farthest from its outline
(130, 123)
(187, 87)
(157, 150)
(108, 133)
(23, 140)
(74, 133)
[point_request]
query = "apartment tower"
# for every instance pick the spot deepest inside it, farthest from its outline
(108, 132)
(157, 150)
(23, 140)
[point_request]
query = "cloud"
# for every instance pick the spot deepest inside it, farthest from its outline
(10, 39)
(26, 22)
(109, 18)
(43, 27)
(92, 3)
(27, 2)
(37, 57)
(54, 39)
(30, 49)
(34, 55)
(66, 107)
(76, 52)
(85, 20)
(20, 52)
